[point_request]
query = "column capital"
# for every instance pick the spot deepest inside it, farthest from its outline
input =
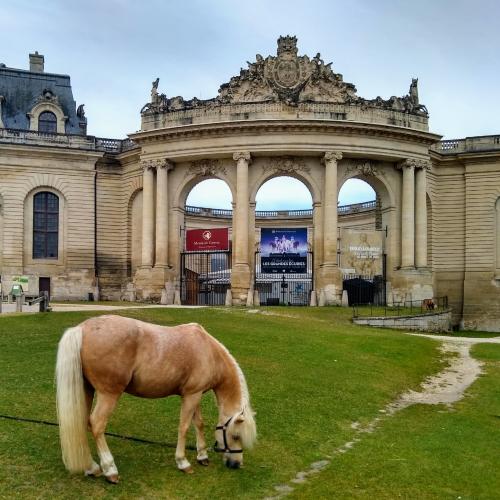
(414, 163)
(165, 163)
(332, 156)
(156, 163)
(242, 155)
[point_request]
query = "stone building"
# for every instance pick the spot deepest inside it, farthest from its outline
(82, 214)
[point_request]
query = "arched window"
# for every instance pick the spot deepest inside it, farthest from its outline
(47, 122)
(45, 225)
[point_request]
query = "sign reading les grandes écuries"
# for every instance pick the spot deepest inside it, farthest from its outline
(201, 240)
(283, 250)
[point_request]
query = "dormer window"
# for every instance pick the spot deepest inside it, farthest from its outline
(47, 122)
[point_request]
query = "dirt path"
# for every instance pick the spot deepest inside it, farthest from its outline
(446, 387)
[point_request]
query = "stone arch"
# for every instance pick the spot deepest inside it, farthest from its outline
(374, 174)
(49, 181)
(371, 175)
(301, 175)
(185, 187)
(134, 231)
(28, 226)
(133, 190)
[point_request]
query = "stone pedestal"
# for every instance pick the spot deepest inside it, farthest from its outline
(240, 284)
(150, 282)
(329, 282)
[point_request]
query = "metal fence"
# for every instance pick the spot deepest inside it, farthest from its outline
(402, 308)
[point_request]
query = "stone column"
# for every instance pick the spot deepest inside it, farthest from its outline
(408, 214)
(421, 215)
(162, 169)
(242, 208)
(330, 209)
(148, 213)
(240, 276)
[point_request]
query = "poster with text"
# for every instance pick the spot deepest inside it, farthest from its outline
(206, 240)
(283, 250)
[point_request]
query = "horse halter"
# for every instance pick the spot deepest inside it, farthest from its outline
(226, 448)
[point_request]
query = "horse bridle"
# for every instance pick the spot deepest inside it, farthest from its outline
(226, 448)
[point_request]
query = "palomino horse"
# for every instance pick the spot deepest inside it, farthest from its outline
(109, 355)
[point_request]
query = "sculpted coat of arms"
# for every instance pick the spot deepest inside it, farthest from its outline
(287, 78)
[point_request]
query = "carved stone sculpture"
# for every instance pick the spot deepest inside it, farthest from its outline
(285, 165)
(288, 78)
(206, 168)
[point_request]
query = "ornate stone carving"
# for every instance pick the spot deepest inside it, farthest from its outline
(413, 163)
(48, 96)
(289, 78)
(206, 168)
(332, 156)
(242, 155)
(155, 163)
(362, 167)
(285, 165)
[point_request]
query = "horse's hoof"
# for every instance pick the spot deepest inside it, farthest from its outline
(113, 478)
(188, 470)
(204, 461)
(95, 471)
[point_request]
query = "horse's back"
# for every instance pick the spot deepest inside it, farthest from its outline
(123, 354)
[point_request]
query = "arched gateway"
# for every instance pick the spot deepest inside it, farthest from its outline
(286, 115)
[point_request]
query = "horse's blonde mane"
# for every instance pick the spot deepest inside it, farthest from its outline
(247, 429)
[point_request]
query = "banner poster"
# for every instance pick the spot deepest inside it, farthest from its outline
(207, 240)
(361, 252)
(283, 250)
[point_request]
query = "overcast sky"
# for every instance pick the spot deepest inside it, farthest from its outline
(114, 49)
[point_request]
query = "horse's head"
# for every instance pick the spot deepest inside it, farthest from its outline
(234, 435)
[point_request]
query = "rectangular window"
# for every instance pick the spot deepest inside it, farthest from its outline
(45, 226)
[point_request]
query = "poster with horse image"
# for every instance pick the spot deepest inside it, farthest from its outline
(283, 250)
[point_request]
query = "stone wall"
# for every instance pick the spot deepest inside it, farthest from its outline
(432, 322)
(70, 175)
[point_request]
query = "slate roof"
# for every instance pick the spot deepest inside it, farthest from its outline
(20, 89)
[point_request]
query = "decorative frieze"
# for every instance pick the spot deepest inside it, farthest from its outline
(362, 167)
(206, 168)
(285, 165)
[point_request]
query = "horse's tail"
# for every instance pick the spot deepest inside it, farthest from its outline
(72, 410)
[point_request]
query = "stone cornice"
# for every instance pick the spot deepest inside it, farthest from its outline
(42, 151)
(234, 128)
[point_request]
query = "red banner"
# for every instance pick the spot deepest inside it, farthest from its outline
(199, 240)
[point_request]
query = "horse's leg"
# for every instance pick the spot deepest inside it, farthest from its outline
(98, 420)
(189, 404)
(94, 470)
(201, 445)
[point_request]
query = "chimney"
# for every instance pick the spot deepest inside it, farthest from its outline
(36, 62)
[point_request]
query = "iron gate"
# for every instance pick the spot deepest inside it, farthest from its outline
(284, 288)
(366, 290)
(205, 278)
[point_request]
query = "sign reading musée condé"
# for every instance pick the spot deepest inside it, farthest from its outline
(201, 240)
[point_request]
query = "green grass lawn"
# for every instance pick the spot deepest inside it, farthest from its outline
(311, 374)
